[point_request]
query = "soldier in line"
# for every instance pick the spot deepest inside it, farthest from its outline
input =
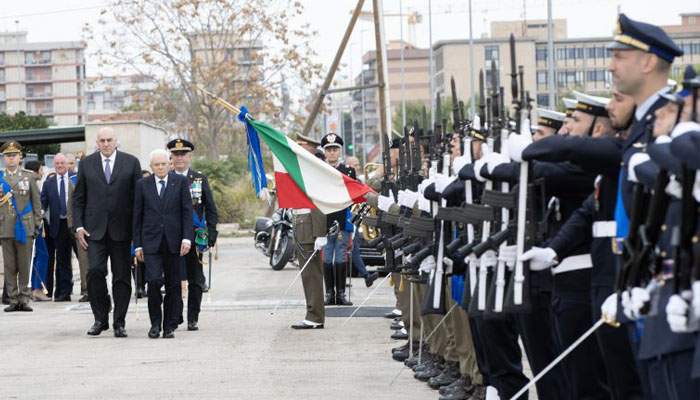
(205, 219)
(20, 208)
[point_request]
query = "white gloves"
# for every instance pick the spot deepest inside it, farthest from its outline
(516, 144)
(428, 264)
(507, 254)
(609, 308)
(410, 198)
(696, 299)
(493, 160)
(674, 188)
(488, 259)
(684, 127)
(442, 181)
(383, 202)
(633, 301)
(540, 258)
(636, 159)
(478, 165)
(459, 163)
(677, 313)
(320, 243)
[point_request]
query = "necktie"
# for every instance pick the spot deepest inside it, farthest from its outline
(108, 170)
(162, 188)
(62, 196)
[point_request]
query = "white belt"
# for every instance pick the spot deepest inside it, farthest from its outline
(573, 263)
(301, 211)
(603, 229)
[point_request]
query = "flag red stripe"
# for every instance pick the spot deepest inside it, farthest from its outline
(288, 193)
(356, 189)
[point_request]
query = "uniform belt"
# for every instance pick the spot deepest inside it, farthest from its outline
(573, 263)
(603, 229)
(302, 211)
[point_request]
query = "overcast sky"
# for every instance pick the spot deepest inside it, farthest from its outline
(48, 20)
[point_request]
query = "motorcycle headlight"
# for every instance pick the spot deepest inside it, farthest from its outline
(276, 217)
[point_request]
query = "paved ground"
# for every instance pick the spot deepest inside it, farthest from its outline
(241, 351)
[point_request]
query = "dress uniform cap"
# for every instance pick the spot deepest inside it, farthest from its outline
(681, 92)
(636, 35)
(180, 145)
(331, 140)
(298, 137)
(11, 147)
(552, 119)
(593, 105)
(570, 105)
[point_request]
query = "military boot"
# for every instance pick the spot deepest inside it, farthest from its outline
(340, 298)
(328, 277)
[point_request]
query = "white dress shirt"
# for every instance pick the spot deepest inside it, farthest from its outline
(646, 104)
(111, 158)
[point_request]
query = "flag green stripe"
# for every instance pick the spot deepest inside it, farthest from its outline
(277, 142)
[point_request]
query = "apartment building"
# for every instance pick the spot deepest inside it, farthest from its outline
(580, 63)
(117, 97)
(42, 78)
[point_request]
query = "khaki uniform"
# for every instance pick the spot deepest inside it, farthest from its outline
(309, 225)
(17, 256)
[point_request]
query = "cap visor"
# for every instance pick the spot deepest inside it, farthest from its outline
(620, 46)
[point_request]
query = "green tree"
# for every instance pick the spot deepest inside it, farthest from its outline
(418, 111)
(21, 121)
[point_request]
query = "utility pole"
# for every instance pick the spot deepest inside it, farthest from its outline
(382, 74)
(472, 92)
(431, 71)
(550, 57)
(403, 83)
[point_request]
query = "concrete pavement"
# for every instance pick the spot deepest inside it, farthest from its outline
(240, 352)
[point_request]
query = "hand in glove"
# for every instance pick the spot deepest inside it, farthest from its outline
(320, 243)
(488, 259)
(540, 258)
(609, 308)
(383, 203)
(212, 237)
(634, 161)
(458, 163)
(633, 301)
(516, 144)
(677, 313)
(507, 254)
(428, 264)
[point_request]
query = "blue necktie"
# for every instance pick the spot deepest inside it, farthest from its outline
(162, 188)
(62, 196)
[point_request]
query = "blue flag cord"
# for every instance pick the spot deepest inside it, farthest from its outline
(255, 161)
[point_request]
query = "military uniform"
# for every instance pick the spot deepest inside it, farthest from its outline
(308, 226)
(205, 220)
(20, 218)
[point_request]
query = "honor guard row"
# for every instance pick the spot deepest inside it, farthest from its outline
(576, 236)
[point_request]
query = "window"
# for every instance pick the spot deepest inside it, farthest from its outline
(487, 77)
(2, 75)
(38, 91)
(37, 57)
(2, 58)
(541, 54)
(590, 52)
(38, 74)
(491, 53)
(561, 54)
(579, 53)
(40, 107)
(695, 48)
(541, 77)
(543, 100)
(602, 52)
(2, 94)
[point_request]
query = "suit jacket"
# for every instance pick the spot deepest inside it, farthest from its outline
(309, 226)
(206, 208)
(169, 216)
(51, 202)
(106, 208)
(25, 191)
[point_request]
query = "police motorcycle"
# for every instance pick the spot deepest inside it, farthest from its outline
(274, 237)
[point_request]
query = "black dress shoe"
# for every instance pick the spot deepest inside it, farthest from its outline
(168, 334)
(140, 293)
(120, 332)
(395, 326)
(205, 289)
(192, 326)
(154, 332)
(97, 328)
(401, 334)
(370, 278)
(400, 355)
(307, 325)
(25, 308)
(12, 308)
(84, 299)
(393, 314)
(62, 299)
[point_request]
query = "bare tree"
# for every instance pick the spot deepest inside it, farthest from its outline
(247, 51)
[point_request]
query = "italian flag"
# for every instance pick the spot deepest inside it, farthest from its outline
(305, 181)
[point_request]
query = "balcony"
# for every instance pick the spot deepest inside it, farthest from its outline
(37, 58)
(41, 107)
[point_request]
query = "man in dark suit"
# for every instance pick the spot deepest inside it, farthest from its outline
(162, 236)
(206, 218)
(54, 199)
(102, 214)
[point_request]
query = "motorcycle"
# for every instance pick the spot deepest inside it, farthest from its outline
(274, 237)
